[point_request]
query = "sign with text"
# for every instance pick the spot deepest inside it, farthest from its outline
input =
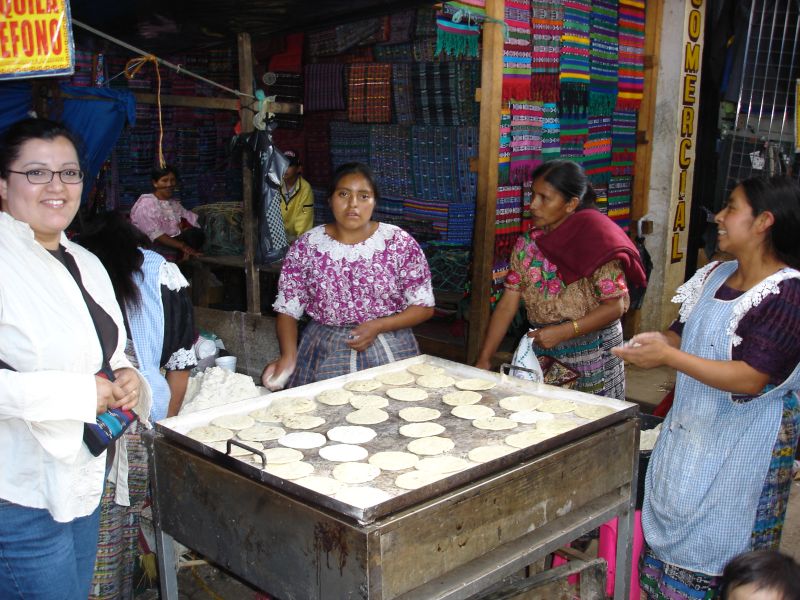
(35, 39)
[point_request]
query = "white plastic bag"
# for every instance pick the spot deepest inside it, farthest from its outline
(525, 357)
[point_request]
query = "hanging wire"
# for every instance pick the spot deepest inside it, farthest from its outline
(174, 67)
(132, 68)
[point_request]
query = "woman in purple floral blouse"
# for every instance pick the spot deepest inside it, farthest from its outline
(572, 271)
(363, 283)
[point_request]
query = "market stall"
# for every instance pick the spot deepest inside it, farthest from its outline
(451, 535)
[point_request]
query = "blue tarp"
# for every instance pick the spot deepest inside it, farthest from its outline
(15, 103)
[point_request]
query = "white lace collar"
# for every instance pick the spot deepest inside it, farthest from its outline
(689, 293)
(320, 240)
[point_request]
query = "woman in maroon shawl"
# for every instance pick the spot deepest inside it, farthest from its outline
(573, 271)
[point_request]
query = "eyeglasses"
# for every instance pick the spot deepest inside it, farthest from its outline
(45, 176)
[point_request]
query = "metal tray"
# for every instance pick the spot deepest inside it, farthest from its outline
(461, 431)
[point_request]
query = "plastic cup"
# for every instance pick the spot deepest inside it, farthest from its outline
(226, 362)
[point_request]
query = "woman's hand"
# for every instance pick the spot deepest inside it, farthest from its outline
(362, 336)
(483, 364)
(277, 373)
(551, 335)
(188, 251)
(109, 394)
(645, 350)
(128, 380)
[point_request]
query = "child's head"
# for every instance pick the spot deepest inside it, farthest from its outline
(761, 575)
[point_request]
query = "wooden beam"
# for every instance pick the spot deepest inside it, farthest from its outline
(249, 223)
(491, 93)
(280, 108)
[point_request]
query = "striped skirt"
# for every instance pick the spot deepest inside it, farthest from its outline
(323, 352)
(601, 372)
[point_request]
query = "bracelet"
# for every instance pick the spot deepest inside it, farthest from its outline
(576, 328)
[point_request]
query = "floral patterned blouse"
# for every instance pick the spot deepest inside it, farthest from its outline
(547, 298)
(155, 217)
(343, 284)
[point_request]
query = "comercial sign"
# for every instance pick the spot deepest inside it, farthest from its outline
(35, 39)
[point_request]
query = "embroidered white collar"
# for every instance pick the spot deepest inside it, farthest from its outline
(365, 250)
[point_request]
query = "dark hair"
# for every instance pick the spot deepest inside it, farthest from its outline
(767, 569)
(569, 179)
(779, 195)
(159, 172)
(115, 241)
(31, 129)
(355, 168)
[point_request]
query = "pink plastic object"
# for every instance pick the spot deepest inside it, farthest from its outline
(607, 548)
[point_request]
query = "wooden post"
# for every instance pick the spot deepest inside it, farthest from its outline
(249, 223)
(491, 93)
(645, 126)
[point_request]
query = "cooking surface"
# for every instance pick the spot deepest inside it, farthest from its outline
(461, 431)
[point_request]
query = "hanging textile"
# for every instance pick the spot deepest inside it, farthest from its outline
(526, 139)
(401, 26)
(349, 143)
(574, 60)
(551, 132)
(619, 200)
(631, 54)
(504, 163)
(604, 58)
(390, 158)
(458, 28)
(623, 142)
(547, 23)
(597, 151)
(369, 93)
(517, 50)
(403, 94)
(291, 59)
(97, 116)
(324, 87)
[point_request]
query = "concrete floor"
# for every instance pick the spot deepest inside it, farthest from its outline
(645, 387)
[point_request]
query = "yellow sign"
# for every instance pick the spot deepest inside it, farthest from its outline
(35, 38)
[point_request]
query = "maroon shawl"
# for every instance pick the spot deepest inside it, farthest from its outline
(586, 241)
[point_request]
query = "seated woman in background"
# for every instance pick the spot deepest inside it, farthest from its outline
(159, 319)
(364, 284)
(572, 270)
(164, 220)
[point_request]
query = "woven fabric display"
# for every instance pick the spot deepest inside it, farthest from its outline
(504, 163)
(547, 17)
(349, 143)
(603, 61)
(574, 62)
(623, 142)
(394, 53)
(425, 23)
(402, 94)
(444, 92)
(466, 150)
(460, 222)
(619, 200)
(440, 162)
(551, 132)
(574, 134)
(517, 50)
(401, 26)
(508, 216)
(317, 165)
(458, 28)
(369, 93)
(390, 210)
(526, 139)
(449, 267)
(597, 151)
(468, 78)
(390, 158)
(338, 39)
(324, 87)
(322, 210)
(631, 54)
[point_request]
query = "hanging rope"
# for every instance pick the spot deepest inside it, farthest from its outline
(132, 67)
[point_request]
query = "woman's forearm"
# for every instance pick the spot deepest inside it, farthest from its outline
(411, 316)
(286, 330)
(177, 381)
(734, 376)
(607, 312)
(499, 323)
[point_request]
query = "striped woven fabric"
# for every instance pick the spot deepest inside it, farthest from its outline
(460, 222)
(369, 93)
(604, 57)
(394, 53)
(403, 94)
(317, 166)
(337, 40)
(504, 163)
(390, 158)
(526, 139)
(324, 87)
(457, 39)
(547, 18)
(425, 23)
(619, 200)
(597, 151)
(466, 150)
(401, 26)
(623, 142)
(551, 132)
(574, 75)
(508, 215)
(517, 50)
(631, 54)
(349, 143)
(444, 92)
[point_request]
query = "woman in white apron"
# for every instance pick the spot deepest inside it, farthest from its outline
(719, 478)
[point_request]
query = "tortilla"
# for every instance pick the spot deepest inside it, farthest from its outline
(420, 430)
(461, 397)
(291, 406)
(519, 403)
(234, 422)
(527, 438)
(351, 434)
(407, 394)
(303, 421)
(280, 456)
(326, 486)
(442, 464)
(430, 446)
(355, 472)
(472, 411)
(417, 414)
(398, 378)
(483, 454)
(424, 369)
(368, 401)
(475, 384)
(334, 397)
(435, 381)
(494, 423)
(261, 432)
(593, 411)
(210, 433)
(367, 416)
(393, 460)
(303, 440)
(291, 470)
(556, 405)
(416, 479)
(363, 385)
(528, 417)
(343, 453)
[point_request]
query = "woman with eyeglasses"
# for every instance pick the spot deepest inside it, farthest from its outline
(62, 363)
(364, 284)
(164, 220)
